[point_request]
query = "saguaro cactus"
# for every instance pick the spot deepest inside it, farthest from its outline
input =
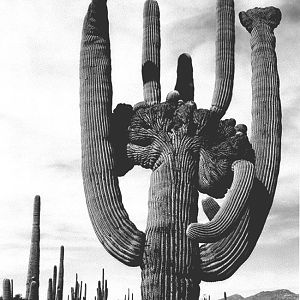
(6, 290)
(189, 150)
(50, 291)
(54, 279)
(60, 281)
(34, 258)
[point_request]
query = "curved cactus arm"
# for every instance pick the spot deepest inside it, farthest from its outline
(224, 57)
(185, 81)
(210, 207)
(221, 259)
(151, 53)
(109, 218)
(231, 211)
(266, 107)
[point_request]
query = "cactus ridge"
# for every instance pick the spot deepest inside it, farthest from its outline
(189, 150)
(210, 207)
(109, 218)
(151, 52)
(221, 259)
(225, 42)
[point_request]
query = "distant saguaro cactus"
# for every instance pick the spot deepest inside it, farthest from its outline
(50, 291)
(7, 290)
(60, 281)
(54, 280)
(189, 150)
(34, 258)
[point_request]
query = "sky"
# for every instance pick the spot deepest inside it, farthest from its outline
(40, 133)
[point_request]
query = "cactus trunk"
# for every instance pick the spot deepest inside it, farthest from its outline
(34, 258)
(169, 269)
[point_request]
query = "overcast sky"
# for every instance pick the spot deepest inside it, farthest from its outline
(40, 135)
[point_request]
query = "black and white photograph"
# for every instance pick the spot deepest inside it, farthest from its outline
(150, 149)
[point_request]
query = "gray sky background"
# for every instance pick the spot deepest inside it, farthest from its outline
(40, 134)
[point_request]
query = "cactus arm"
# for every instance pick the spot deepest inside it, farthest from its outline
(34, 258)
(231, 211)
(221, 259)
(224, 57)
(151, 53)
(109, 218)
(185, 81)
(266, 108)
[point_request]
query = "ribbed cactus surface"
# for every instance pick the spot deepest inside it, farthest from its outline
(231, 211)
(34, 258)
(189, 150)
(151, 52)
(109, 218)
(224, 56)
(220, 260)
(210, 207)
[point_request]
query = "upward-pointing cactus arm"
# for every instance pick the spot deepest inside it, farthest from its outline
(224, 57)
(151, 53)
(110, 220)
(221, 259)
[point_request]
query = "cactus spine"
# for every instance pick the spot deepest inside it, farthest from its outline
(34, 258)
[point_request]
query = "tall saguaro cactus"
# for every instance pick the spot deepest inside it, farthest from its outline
(60, 281)
(189, 150)
(34, 258)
